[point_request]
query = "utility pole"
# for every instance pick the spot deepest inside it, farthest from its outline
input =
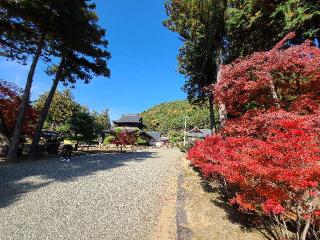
(185, 131)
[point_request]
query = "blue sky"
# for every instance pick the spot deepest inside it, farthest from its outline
(143, 64)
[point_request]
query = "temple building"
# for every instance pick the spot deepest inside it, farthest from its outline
(196, 134)
(129, 121)
(134, 123)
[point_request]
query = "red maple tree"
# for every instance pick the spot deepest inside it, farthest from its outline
(124, 138)
(267, 155)
(10, 99)
(273, 78)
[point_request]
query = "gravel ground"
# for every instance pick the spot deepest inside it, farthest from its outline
(109, 196)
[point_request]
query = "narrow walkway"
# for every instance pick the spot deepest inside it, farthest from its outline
(202, 215)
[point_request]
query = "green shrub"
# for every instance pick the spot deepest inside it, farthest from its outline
(142, 142)
(108, 139)
(185, 148)
(175, 136)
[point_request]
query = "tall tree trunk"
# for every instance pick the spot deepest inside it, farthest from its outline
(3, 126)
(4, 140)
(305, 230)
(14, 146)
(213, 125)
(219, 46)
(76, 145)
(274, 92)
(45, 110)
(222, 106)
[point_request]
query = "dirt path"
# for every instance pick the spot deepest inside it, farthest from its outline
(202, 215)
(166, 227)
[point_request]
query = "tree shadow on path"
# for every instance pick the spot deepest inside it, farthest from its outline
(246, 221)
(14, 185)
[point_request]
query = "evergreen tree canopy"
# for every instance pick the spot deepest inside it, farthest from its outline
(62, 108)
(257, 25)
(197, 23)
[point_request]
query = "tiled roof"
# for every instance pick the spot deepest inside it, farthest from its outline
(155, 135)
(130, 118)
(199, 133)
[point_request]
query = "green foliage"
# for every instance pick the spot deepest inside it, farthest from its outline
(141, 141)
(64, 128)
(300, 16)
(52, 29)
(257, 25)
(185, 148)
(237, 28)
(83, 48)
(62, 108)
(68, 117)
(200, 26)
(171, 116)
(108, 139)
(175, 137)
(101, 121)
(118, 130)
(21, 25)
(82, 125)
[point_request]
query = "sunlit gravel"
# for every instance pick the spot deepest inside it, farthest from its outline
(110, 196)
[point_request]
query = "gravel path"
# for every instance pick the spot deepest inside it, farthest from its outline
(110, 196)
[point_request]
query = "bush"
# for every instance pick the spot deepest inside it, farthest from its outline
(142, 142)
(108, 140)
(273, 173)
(185, 148)
(175, 137)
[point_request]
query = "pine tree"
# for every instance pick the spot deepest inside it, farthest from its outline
(36, 18)
(82, 51)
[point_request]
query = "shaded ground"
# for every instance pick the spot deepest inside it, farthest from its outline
(203, 215)
(106, 196)
(166, 227)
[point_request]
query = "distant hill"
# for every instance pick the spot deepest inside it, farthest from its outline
(170, 116)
